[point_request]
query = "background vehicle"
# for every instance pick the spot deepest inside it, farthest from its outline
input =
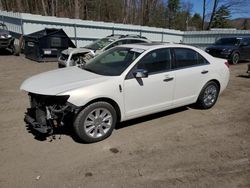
(123, 83)
(233, 49)
(74, 56)
(6, 40)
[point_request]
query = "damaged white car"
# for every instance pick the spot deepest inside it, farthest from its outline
(123, 83)
(79, 56)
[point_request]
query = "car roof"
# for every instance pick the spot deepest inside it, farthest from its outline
(75, 50)
(237, 37)
(129, 36)
(155, 45)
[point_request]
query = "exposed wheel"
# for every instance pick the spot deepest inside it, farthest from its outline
(208, 95)
(95, 122)
(235, 58)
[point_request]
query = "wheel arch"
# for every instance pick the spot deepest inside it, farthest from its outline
(108, 100)
(216, 81)
(212, 80)
(233, 52)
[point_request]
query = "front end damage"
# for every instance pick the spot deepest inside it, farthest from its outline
(46, 113)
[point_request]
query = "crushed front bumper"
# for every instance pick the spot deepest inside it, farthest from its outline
(30, 120)
(48, 112)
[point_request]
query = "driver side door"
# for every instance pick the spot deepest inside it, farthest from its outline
(153, 93)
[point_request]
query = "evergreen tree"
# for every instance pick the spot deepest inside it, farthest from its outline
(196, 21)
(221, 18)
(173, 8)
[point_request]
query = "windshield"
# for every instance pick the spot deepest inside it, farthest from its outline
(113, 62)
(228, 41)
(99, 44)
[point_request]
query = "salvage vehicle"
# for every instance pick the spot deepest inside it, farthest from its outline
(123, 83)
(78, 56)
(6, 40)
(232, 48)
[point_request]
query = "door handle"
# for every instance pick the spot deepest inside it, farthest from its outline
(168, 79)
(204, 72)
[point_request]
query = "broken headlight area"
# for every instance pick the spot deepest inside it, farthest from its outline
(48, 112)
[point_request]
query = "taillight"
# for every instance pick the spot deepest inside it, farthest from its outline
(227, 64)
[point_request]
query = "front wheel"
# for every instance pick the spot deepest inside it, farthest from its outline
(95, 122)
(208, 95)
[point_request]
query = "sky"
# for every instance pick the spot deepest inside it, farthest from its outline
(197, 7)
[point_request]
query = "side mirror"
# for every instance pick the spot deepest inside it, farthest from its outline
(140, 73)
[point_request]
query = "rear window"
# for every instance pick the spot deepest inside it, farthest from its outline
(228, 41)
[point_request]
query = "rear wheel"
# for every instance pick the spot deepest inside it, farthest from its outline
(95, 122)
(208, 95)
(235, 58)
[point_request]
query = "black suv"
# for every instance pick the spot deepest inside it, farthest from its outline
(6, 40)
(231, 48)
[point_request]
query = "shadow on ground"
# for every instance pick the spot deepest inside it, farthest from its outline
(5, 52)
(68, 128)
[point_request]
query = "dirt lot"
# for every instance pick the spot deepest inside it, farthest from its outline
(178, 148)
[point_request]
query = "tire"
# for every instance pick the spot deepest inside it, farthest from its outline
(95, 122)
(16, 52)
(12, 49)
(235, 57)
(208, 95)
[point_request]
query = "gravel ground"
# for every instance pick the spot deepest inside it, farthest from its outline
(185, 147)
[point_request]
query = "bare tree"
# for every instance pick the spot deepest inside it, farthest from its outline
(44, 8)
(52, 4)
(19, 5)
(215, 6)
(1, 5)
(203, 14)
(77, 8)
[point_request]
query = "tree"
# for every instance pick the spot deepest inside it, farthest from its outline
(196, 22)
(203, 14)
(1, 5)
(215, 6)
(77, 9)
(173, 8)
(221, 17)
(235, 6)
(245, 24)
(44, 8)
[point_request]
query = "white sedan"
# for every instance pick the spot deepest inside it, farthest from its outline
(123, 83)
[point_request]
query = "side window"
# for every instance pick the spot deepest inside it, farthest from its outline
(119, 42)
(133, 41)
(248, 41)
(156, 61)
(186, 57)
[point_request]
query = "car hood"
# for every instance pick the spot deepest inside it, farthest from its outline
(76, 50)
(61, 80)
(4, 33)
(221, 47)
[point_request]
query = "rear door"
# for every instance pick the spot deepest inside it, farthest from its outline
(245, 49)
(191, 73)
